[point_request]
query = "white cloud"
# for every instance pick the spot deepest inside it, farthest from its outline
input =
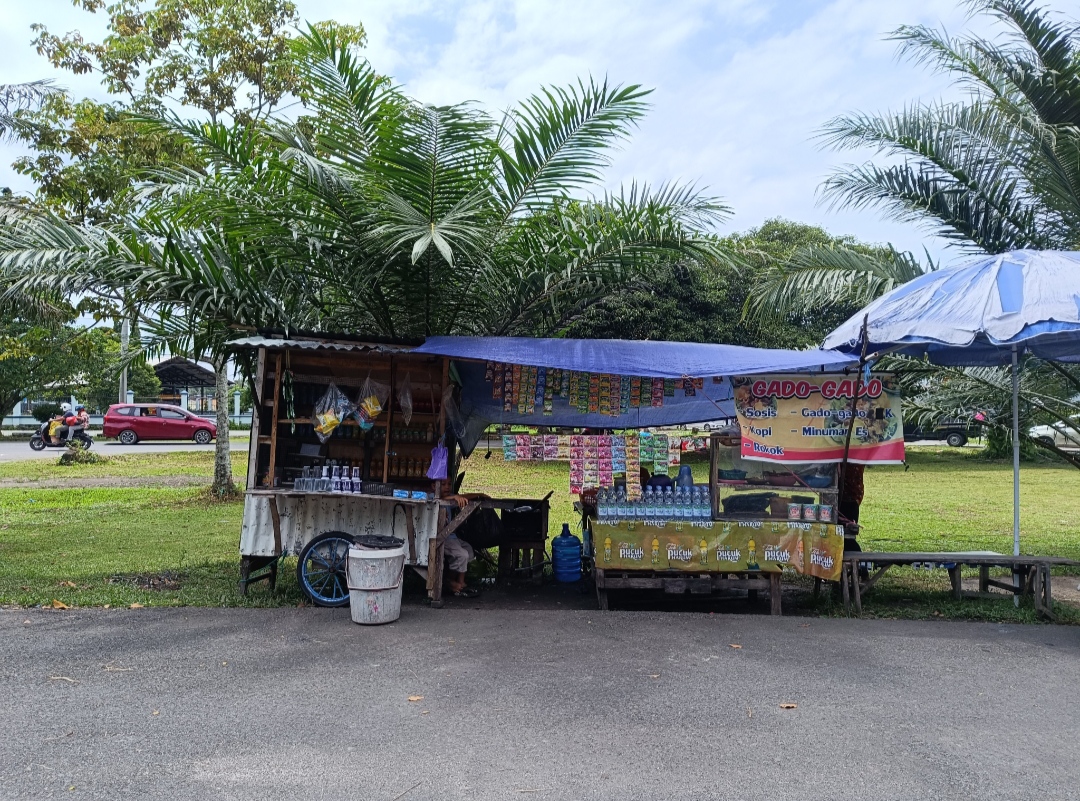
(741, 87)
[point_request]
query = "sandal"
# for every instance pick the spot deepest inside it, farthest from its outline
(467, 592)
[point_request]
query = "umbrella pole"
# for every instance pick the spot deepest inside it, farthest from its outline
(1016, 467)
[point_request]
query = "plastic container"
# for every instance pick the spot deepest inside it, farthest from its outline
(810, 511)
(566, 556)
(685, 479)
(374, 569)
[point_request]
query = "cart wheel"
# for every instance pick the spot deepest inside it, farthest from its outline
(321, 569)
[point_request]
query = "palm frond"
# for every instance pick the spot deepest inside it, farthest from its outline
(558, 140)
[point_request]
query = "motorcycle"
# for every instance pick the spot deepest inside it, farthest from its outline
(41, 439)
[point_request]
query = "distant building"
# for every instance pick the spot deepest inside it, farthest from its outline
(186, 381)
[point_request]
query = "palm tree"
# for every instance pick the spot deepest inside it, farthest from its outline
(821, 278)
(996, 172)
(376, 214)
(16, 97)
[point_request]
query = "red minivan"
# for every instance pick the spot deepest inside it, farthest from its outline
(131, 422)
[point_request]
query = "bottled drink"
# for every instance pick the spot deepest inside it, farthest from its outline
(650, 504)
(624, 508)
(602, 506)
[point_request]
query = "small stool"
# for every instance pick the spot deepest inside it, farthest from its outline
(526, 556)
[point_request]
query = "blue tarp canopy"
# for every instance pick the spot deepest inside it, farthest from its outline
(637, 357)
(675, 360)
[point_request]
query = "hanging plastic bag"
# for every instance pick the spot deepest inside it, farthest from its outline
(439, 458)
(372, 400)
(331, 409)
(404, 396)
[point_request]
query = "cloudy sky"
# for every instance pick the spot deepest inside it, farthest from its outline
(740, 86)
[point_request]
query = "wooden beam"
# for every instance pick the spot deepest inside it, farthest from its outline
(456, 523)
(253, 440)
(274, 422)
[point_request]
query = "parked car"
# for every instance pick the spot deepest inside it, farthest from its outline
(133, 422)
(956, 433)
(1058, 434)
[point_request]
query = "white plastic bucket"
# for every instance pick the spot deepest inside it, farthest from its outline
(375, 584)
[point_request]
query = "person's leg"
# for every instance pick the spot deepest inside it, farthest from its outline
(457, 562)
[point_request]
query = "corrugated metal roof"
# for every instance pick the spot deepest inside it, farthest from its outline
(316, 344)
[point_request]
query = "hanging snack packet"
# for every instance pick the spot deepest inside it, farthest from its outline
(404, 396)
(369, 405)
(330, 410)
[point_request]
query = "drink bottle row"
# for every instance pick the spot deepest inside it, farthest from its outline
(691, 504)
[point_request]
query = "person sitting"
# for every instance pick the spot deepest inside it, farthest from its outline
(78, 421)
(67, 421)
(458, 550)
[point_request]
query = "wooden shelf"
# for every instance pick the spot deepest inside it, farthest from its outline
(307, 421)
(720, 484)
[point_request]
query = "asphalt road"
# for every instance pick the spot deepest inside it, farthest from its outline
(18, 450)
(302, 704)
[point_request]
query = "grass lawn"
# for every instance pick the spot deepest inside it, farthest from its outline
(174, 546)
(194, 464)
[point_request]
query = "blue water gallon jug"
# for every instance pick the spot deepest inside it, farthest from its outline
(685, 479)
(566, 556)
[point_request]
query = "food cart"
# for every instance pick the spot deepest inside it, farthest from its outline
(772, 489)
(311, 498)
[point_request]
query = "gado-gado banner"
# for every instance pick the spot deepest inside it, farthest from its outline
(786, 418)
(813, 549)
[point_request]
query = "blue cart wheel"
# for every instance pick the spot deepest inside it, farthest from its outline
(321, 569)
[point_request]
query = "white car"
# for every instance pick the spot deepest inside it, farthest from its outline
(1058, 434)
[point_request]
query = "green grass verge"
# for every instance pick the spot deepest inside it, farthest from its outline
(175, 546)
(90, 547)
(197, 464)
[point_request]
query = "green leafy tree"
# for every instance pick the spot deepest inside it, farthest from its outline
(997, 171)
(98, 382)
(37, 359)
(230, 60)
(378, 214)
(706, 303)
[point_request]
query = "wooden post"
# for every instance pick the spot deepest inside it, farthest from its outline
(984, 578)
(845, 570)
(954, 577)
(274, 422)
(774, 593)
(389, 428)
(275, 517)
(256, 414)
(853, 571)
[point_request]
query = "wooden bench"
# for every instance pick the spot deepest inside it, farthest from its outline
(1031, 574)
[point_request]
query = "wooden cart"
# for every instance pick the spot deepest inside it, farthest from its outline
(291, 374)
(702, 558)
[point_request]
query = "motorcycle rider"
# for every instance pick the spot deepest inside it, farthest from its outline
(82, 421)
(70, 422)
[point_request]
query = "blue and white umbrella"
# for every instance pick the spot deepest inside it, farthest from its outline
(989, 311)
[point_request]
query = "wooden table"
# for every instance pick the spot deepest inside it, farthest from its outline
(1031, 574)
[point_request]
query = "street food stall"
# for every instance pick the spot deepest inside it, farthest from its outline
(346, 432)
(342, 443)
(770, 503)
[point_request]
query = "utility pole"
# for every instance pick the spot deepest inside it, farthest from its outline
(125, 335)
